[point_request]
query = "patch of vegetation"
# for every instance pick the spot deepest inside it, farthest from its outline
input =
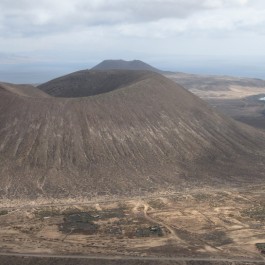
(149, 231)
(3, 212)
(79, 223)
(256, 212)
(261, 247)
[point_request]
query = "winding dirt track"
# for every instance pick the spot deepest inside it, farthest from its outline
(172, 234)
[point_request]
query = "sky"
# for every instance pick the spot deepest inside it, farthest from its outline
(41, 40)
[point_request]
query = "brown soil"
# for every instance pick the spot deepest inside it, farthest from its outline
(220, 224)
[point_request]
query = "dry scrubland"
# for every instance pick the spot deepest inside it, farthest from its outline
(204, 224)
(233, 96)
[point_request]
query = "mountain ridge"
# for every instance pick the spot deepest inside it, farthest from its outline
(126, 65)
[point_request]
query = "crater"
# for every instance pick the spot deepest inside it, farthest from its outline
(92, 82)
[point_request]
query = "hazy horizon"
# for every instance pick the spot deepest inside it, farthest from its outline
(45, 39)
(40, 73)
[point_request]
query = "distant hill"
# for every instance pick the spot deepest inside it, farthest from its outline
(119, 133)
(125, 65)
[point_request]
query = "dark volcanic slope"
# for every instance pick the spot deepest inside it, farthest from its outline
(125, 65)
(88, 83)
(145, 134)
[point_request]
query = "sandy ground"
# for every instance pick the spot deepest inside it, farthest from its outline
(197, 224)
(235, 92)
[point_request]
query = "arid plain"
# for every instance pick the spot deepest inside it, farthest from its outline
(236, 97)
(193, 224)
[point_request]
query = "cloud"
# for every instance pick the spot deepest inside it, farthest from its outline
(30, 17)
(63, 33)
(6, 58)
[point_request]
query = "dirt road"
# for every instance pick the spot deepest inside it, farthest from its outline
(136, 258)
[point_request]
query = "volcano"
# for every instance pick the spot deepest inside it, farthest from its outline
(137, 65)
(118, 132)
